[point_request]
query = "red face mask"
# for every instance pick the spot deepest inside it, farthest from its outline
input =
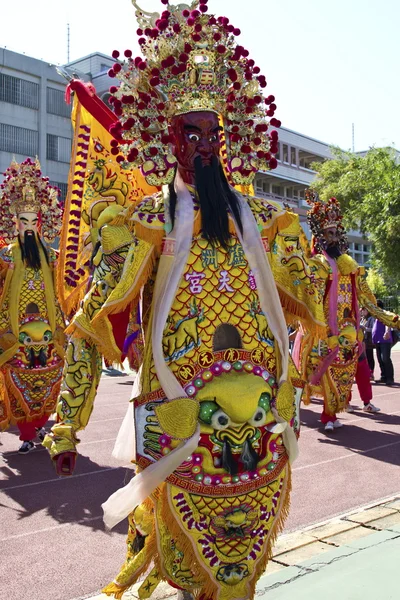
(196, 134)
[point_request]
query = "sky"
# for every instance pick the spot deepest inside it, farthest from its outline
(329, 63)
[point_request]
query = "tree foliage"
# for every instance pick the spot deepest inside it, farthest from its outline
(368, 189)
(377, 283)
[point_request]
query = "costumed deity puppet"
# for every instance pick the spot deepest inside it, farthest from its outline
(213, 423)
(31, 323)
(331, 366)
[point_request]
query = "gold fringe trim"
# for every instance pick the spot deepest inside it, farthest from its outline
(186, 546)
(71, 303)
(276, 529)
(100, 330)
(102, 337)
(300, 311)
(152, 236)
(129, 570)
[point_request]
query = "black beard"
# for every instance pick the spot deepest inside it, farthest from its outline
(216, 199)
(333, 251)
(30, 250)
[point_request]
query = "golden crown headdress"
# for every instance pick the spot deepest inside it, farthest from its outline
(25, 190)
(322, 215)
(191, 62)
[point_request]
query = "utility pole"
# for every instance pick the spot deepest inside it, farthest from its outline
(67, 42)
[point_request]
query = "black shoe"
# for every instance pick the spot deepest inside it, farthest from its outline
(26, 447)
(390, 382)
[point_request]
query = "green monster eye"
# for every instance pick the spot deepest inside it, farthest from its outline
(47, 336)
(207, 409)
(265, 401)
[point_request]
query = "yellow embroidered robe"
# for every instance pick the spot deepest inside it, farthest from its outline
(352, 293)
(31, 338)
(210, 526)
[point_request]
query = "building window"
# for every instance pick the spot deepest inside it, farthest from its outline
(262, 186)
(293, 160)
(19, 140)
(285, 153)
(306, 159)
(277, 190)
(63, 189)
(58, 148)
(56, 104)
(19, 91)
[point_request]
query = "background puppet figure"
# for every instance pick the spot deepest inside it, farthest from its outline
(332, 365)
(215, 406)
(31, 323)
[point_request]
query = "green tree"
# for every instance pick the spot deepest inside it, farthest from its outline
(368, 189)
(377, 283)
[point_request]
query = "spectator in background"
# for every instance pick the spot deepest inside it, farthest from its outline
(382, 338)
(366, 323)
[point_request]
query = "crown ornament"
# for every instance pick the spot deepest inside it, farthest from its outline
(27, 202)
(323, 215)
(25, 190)
(191, 62)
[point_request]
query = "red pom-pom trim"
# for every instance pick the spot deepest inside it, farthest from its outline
(232, 74)
(162, 25)
(273, 163)
(275, 122)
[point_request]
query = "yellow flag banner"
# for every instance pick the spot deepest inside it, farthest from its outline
(96, 181)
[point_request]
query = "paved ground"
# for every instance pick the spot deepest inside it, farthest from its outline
(351, 558)
(53, 542)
